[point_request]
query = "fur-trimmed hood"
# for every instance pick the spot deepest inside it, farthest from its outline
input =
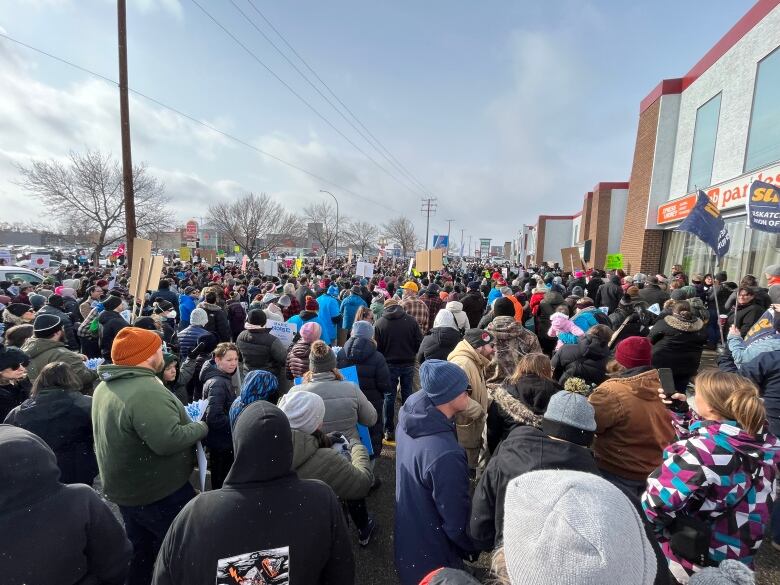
(514, 408)
(677, 323)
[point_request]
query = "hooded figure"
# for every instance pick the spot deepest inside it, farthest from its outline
(513, 341)
(442, 339)
(264, 523)
(82, 539)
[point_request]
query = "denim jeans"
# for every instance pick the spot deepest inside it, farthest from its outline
(404, 374)
(146, 527)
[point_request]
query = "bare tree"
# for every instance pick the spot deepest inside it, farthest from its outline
(87, 198)
(322, 219)
(361, 235)
(401, 231)
(257, 223)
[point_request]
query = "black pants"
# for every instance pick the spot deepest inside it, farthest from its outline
(220, 465)
(358, 511)
(146, 527)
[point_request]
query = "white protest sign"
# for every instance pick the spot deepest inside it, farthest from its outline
(411, 263)
(270, 268)
(284, 332)
(364, 269)
(655, 308)
(39, 260)
(5, 257)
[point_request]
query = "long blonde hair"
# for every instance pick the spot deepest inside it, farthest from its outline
(732, 397)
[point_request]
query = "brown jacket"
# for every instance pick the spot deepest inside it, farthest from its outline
(632, 425)
(470, 423)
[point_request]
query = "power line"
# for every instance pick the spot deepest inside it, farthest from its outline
(201, 123)
(399, 164)
(300, 97)
(324, 97)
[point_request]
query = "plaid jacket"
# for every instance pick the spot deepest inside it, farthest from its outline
(434, 304)
(417, 309)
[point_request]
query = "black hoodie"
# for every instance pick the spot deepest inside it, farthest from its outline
(264, 520)
(53, 533)
(587, 359)
(396, 336)
(218, 390)
(438, 344)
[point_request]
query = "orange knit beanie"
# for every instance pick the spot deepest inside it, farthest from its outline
(133, 346)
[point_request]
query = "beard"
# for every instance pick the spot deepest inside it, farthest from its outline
(159, 365)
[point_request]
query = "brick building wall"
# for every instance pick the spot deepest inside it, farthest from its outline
(540, 233)
(587, 209)
(641, 248)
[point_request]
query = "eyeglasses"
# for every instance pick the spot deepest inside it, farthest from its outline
(17, 366)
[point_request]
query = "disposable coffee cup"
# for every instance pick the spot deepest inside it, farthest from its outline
(722, 319)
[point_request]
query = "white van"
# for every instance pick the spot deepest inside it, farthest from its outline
(10, 273)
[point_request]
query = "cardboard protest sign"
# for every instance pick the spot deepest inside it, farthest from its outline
(429, 260)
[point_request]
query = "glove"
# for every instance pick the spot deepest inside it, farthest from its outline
(197, 350)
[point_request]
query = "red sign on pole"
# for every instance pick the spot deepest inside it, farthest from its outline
(191, 230)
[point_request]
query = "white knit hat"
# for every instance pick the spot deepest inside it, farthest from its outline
(573, 528)
(305, 410)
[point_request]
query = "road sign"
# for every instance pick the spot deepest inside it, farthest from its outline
(191, 230)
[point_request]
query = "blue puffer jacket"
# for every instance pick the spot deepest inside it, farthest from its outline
(188, 339)
(329, 308)
(186, 305)
(431, 492)
(349, 307)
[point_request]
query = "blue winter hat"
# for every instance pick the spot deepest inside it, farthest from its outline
(442, 381)
(258, 385)
(333, 290)
(363, 329)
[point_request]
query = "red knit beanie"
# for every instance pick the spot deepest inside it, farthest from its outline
(311, 304)
(633, 352)
(133, 346)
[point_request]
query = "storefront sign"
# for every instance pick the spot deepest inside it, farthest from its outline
(726, 195)
(764, 207)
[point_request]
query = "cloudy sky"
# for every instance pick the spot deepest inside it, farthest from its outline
(503, 110)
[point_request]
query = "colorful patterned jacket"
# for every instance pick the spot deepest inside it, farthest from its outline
(707, 471)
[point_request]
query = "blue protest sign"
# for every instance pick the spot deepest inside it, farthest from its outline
(764, 207)
(705, 222)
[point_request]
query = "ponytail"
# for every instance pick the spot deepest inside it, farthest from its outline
(733, 397)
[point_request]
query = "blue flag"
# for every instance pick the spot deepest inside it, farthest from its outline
(705, 223)
(764, 207)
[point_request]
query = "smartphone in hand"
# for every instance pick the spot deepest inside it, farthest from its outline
(667, 384)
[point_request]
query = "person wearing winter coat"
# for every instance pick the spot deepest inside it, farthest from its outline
(441, 339)
(265, 524)
(258, 385)
(187, 303)
(561, 441)
(594, 282)
(768, 328)
(236, 314)
(609, 294)
(309, 314)
(55, 306)
(432, 487)
(297, 363)
(373, 374)
(563, 328)
(747, 311)
(585, 315)
(678, 340)
(631, 319)
(473, 304)
(343, 465)
(345, 403)
(329, 313)
(472, 355)
(145, 444)
(512, 342)
(175, 380)
(632, 426)
(377, 305)
(14, 385)
(60, 415)
(48, 345)
(82, 538)
(552, 300)
(720, 471)
(188, 337)
(398, 337)
(587, 359)
(521, 399)
(349, 307)
(218, 323)
(216, 377)
(260, 350)
(653, 294)
(110, 324)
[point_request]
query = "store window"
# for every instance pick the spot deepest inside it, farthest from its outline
(751, 251)
(705, 135)
(763, 145)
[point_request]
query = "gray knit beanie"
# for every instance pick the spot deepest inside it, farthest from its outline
(570, 417)
(573, 528)
(199, 317)
(321, 358)
(729, 572)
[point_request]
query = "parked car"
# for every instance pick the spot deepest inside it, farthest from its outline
(10, 273)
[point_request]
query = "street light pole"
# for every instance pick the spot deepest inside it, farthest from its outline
(335, 239)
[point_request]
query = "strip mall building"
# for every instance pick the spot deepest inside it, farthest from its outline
(717, 128)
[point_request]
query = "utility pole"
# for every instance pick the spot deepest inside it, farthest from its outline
(124, 116)
(449, 225)
(462, 230)
(428, 207)
(470, 248)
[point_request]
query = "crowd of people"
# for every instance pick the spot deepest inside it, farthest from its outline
(560, 422)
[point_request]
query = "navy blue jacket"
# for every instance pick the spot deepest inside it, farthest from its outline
(188, 339)
(431, 492)
(372, 371)
(218, 389)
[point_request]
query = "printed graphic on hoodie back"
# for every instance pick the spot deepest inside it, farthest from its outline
(264, 567)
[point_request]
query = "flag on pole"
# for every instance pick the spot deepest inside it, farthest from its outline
(706, 223)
